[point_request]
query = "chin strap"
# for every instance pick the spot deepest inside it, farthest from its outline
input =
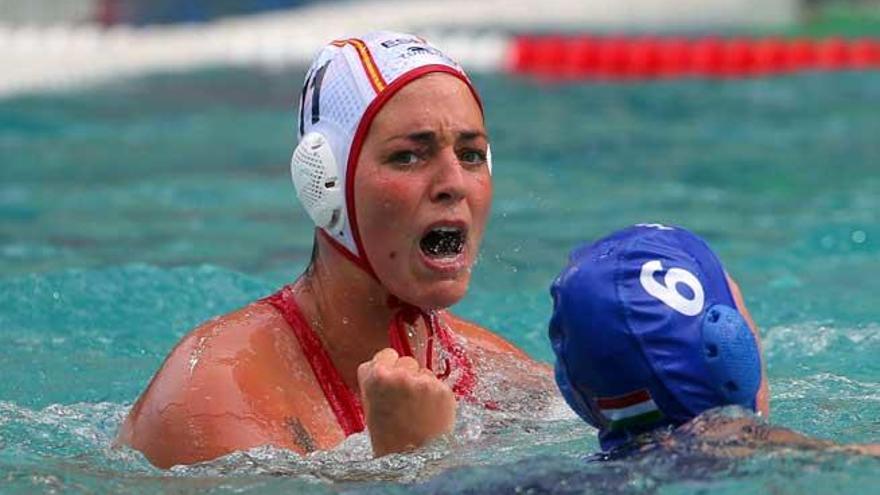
(407, 315)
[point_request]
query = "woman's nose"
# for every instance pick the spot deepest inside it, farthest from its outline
(449, 181)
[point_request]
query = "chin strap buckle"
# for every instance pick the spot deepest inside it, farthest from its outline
(407, 315)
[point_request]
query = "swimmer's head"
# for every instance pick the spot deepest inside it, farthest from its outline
(647, 333)
(351, 85)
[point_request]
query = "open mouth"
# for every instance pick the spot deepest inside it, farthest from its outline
(443, 242)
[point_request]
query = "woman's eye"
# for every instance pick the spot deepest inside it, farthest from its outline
(473, 157)
(404, 158)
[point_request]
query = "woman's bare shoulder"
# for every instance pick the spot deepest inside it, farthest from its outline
(255, 317)
(482, 337)
(235, 382)
(222, 341)
(514, 382)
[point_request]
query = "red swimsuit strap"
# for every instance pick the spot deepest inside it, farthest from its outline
(344, 403)
(467, 380)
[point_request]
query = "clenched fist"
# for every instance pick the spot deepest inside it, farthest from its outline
(405, 406)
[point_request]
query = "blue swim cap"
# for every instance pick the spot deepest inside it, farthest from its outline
(647, 334)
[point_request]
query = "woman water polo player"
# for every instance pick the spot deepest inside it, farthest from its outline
(393, 166)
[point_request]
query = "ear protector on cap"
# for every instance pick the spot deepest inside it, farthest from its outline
(319, 187)
(731, 354)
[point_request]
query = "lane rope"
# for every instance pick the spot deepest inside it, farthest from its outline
(645, 57)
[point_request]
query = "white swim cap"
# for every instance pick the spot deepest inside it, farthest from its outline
(346, 86)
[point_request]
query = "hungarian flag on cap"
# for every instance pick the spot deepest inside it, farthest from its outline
(629, 410)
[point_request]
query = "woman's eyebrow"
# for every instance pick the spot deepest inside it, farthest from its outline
(428, 137)
(471, 134)
(421, 137)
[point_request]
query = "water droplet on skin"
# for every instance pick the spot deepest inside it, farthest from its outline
(859, 236)
(344, 320)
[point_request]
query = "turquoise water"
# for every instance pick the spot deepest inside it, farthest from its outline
(133, 211)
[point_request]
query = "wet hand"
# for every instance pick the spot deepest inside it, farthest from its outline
(405, 406)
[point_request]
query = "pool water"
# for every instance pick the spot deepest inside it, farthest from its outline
(133, 211)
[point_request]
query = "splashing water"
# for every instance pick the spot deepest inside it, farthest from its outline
(130, 214)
